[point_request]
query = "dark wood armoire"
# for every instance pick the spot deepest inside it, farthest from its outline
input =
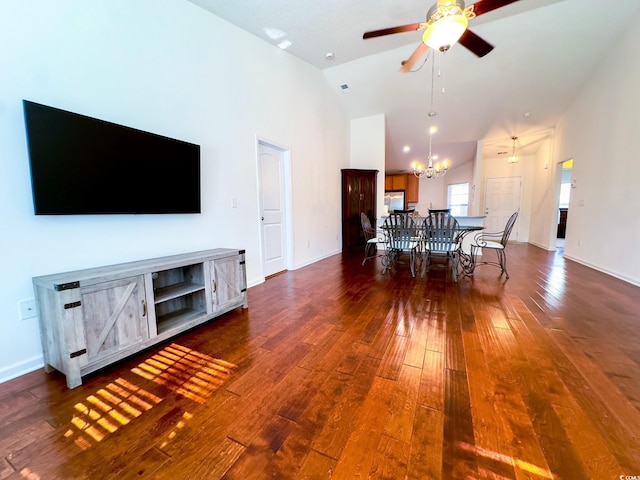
(358, 195)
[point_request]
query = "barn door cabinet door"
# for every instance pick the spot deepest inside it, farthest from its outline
(114, 316)
(229, 282)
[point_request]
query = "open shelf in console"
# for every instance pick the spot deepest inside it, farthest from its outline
(176, 282)
(179, 296)
(173, 313)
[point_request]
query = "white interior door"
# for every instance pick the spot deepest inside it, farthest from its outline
(501, 199)
(272, 208)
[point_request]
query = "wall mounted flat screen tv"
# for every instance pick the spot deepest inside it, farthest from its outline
(84, 166)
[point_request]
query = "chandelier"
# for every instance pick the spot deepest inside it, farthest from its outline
(432, 170)
(514, 158)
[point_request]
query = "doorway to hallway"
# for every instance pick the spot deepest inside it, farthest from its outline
(273, 177)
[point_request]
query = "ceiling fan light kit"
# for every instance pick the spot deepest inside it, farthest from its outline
(446, 22)
(445, 25)
(441, 35)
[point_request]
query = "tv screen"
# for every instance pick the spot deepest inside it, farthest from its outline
(81, 166)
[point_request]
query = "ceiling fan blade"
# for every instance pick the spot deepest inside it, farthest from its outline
(418, 53)
(389, 31)
(484, 6)
(474, 43)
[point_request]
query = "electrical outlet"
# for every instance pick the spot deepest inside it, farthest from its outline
(27, 308)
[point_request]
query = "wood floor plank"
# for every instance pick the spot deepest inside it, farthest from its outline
(416, 348)
(358, 457)
(425, 456)
(620, 405)
(253, 461)
(432, 392)
(598, 461)
(214, 465)
(436, 340)
(576, 387)
(399, 422)
(331, 439)
(147, 466)
(393, 357)
(390, 460)
(256, 408)
(459, 459)
(493, 365)
(316, 467)
(340, 371)
(490, 433)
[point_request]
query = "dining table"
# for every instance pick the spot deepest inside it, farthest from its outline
(468, 226)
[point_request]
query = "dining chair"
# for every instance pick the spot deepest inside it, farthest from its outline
(441, 239)
(372, 238)
(496, 241)
(408, 211)
(401, 238)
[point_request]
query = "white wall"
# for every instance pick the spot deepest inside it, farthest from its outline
(368, 150)
(168, 67)
(601, 132)
(544, 200)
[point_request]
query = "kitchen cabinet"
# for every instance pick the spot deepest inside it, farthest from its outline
(406, 182)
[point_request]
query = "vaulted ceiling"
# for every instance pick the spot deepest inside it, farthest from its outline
(545, 50)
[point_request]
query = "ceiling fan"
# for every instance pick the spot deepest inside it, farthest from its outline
(445, 25)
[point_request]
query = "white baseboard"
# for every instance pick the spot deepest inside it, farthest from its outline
(317, 259)
(632, 281)
(22, 368)
(295, 267)
(544, 247)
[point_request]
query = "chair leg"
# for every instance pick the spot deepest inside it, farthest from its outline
(412, 260)
(426, 264)
(474, 257)
(389, 259)
(454, 267)
(367, 255)
(503, 262)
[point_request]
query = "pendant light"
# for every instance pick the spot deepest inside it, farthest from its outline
(514, 158)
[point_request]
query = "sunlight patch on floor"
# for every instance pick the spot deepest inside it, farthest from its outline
(500, 457)
(187, 372)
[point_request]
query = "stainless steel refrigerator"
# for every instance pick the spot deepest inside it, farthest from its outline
(394, 200)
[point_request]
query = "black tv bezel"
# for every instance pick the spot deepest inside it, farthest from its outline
(161, 183)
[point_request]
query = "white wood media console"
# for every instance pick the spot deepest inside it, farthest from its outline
(94, 317)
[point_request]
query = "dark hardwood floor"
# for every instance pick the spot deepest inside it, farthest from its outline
(338, 371)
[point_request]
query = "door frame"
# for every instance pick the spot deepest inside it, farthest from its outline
(555, 203)
(287, 187)
(516, 230)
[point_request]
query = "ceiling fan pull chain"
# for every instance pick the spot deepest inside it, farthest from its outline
(440, 70)
(433, 68)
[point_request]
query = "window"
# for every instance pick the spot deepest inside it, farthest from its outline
(458, 199)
